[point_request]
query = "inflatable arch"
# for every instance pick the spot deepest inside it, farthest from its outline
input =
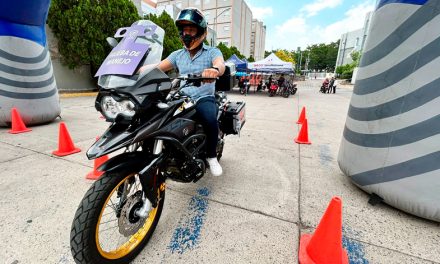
(391, 141)
(27, 81)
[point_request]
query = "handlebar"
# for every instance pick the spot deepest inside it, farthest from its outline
(194, 78)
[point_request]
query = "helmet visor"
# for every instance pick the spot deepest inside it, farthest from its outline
(191, 15)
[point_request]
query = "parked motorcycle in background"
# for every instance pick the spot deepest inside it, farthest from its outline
(245, 87)
(292, 87)
(162, 139)
(273, 89)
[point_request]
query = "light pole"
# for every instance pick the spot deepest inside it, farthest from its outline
(215, 19)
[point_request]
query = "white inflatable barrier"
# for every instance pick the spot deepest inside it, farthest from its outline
(391, 141)
(27, 81)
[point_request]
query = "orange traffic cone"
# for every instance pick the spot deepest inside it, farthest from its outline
(65, 144)
(95, 174)
(302, 116)
(18, 125)
(325, 245)
(303, 136)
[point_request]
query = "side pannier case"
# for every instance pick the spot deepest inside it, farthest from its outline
(233, 118)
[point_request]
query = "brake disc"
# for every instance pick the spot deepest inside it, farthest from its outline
(129, 223)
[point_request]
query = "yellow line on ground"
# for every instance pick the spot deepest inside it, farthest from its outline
(70, 95)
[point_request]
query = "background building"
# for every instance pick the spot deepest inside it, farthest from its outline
(350, 42)
(353, 41)
(148, 7)
(258, 40)
(230, 19)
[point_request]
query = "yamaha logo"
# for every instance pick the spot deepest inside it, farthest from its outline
(185, 131)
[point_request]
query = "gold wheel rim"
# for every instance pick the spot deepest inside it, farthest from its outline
(134, 240)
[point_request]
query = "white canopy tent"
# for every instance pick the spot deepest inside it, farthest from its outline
(271, 64)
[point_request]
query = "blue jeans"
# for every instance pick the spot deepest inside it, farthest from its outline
(207, 113)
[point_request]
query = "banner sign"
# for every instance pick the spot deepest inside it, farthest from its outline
(125, 57)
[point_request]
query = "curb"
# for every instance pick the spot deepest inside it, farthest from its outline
(72, 94)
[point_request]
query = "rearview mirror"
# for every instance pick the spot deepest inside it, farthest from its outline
(112, 42)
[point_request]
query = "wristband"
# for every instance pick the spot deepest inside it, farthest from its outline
(216, 69)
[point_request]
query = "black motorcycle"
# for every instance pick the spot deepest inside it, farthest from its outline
(292, 88)
(159, 130)
(245, 87)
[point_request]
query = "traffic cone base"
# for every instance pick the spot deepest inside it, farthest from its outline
(65, 144)
(17, 124)
(303, 136)
(95, 174)
(304, 257)
(18, 132)
(65, 153)
(325, 245)
(302, 116)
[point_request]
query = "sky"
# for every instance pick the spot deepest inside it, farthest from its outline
(298, 23)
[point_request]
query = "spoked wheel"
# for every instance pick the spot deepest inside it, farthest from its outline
(107, 227)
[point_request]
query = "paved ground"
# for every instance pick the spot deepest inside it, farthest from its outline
(272, 191)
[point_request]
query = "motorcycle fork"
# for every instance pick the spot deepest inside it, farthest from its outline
(150, 185)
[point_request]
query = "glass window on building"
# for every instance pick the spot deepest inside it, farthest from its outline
(226, 43)
(179, 5)
(196, 2)
(207, 2)
(226, 28)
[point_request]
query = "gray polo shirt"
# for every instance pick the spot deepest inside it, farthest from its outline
(181, 61)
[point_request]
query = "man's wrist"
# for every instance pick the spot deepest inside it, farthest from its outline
(216, 69)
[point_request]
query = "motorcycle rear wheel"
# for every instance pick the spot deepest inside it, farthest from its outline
(86, 243)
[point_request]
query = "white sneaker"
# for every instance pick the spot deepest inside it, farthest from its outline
(215, 167)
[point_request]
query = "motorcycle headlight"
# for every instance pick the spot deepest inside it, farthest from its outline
(112, 108)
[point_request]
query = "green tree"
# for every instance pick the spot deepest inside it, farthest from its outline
(227, 53)
(171, 40)
(267, 53)
(235, 51)
(251, 59)
(322, 56)
(82, 26)
(356, 57)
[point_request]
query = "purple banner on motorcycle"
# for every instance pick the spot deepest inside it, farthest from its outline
(125, 57)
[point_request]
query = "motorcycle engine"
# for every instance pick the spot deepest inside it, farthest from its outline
(188, 171)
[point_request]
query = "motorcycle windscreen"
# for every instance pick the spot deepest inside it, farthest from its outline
(141, 44)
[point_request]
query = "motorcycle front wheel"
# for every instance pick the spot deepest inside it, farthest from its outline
(106, 229)
(272, 93)
(293, 91)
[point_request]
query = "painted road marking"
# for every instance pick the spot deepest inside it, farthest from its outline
(355, 250)
(187, 234)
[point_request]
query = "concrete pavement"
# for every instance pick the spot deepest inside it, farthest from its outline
(272, 191)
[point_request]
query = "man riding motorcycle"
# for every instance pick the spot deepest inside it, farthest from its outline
(196, 58)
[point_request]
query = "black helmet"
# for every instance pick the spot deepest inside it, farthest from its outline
(192, 15)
